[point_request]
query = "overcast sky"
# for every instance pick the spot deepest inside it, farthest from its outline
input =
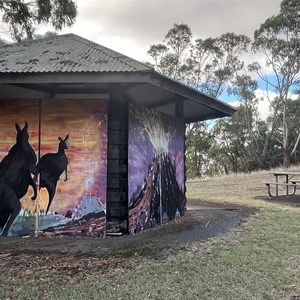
(131, 26)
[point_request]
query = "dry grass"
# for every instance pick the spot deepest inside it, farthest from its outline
(244, 189)
(258, 260)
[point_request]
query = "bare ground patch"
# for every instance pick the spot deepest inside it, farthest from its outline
(202, 221)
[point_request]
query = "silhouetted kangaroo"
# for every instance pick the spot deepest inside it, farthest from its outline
(51, 166)
(15, 178)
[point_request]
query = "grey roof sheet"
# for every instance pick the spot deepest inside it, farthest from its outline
(64, 53)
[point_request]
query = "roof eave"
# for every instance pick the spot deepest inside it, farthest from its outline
(149, 77)
(224, 109)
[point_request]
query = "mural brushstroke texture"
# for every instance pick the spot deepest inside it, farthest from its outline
(77, 131)
(155, 168)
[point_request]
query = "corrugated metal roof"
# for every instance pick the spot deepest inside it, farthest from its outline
(64, 53)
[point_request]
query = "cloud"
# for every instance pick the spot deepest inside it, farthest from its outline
(134, 25)
(263, 104)
(264, 107)
(146, 22)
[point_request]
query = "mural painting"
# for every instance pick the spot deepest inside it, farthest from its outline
(155, 168)
(15, 177)
(56, 149)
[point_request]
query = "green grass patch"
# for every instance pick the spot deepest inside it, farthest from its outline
(258, 260)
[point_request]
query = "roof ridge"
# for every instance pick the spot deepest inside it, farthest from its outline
(36, 40)
(54, 53)
(120, 57)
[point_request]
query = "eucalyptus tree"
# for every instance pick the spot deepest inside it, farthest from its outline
(47, 34)
(23, 16)
(258, 131)
(198, 145)
(293, 121)
(169, 55)
(215, 62)
(231, 142)
(158, 52)
(211, 68)
(278, 39)
(208, 65)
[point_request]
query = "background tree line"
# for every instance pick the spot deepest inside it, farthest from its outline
(215, 66)
(22, 16)
(244, 142)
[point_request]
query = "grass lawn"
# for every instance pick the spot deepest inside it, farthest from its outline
(258, 260)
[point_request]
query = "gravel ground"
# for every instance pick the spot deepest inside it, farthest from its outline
(202, 221)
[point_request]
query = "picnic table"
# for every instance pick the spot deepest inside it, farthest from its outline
(288, 180)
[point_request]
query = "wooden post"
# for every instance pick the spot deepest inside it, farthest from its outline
(37, 203)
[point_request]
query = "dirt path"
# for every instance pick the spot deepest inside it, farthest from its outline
(201, 221)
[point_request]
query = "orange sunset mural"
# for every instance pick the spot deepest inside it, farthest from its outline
(79, 202)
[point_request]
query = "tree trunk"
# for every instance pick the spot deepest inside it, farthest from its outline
(225, 168)
(296, 144)
(286, 158)
(196, 162)
(234, 164)
(285, 137)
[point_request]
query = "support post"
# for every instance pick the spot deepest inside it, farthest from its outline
(117, 163)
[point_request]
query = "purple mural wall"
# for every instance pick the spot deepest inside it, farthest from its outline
(70, 136)
(155, 168)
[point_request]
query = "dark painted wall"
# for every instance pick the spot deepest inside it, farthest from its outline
(117, 162)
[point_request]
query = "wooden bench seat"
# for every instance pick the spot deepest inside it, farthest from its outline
(292, 184)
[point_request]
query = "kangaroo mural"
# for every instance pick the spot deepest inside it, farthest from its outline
(16, 170)
(79, 204)
(51, 166)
